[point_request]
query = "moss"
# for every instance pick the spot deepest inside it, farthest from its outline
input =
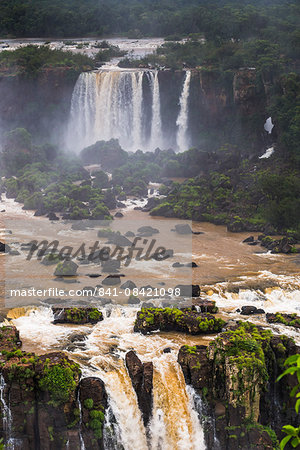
(59, 381)
(290, 320)
(95, 314)
(190, 349)
(50, 431)
(88, 403)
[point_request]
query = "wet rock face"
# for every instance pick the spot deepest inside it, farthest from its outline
(236, 377)
(77, 315)
(40, 396)
(40, 401)
(142, 380)
(93, 401)
(173, 319)
(195, 365)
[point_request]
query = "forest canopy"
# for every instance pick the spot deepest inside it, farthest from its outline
(217, 20)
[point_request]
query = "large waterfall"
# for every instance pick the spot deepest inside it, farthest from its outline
(126, 105)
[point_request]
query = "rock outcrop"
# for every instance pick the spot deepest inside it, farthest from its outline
(77, 315)
(172, 319)
(142, 381)
(290, 320)
(236, 378)
(39, 401)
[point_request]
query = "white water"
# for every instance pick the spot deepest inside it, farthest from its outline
(182, 119)
(269, 152)
(156, 128)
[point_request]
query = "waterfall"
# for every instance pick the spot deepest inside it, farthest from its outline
(82, 445)
(156, 128)
(175, 423)
(106, 105)
(116, 104)
(183, 116)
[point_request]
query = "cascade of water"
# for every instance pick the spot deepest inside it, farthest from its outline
(183, 116)
(156, 127)
(200, 408)
(11, 443)
(82, 445)
(168, 429)
(82, 111)
(137, 87)
(110, 104)
(106, 105)
(111, 432)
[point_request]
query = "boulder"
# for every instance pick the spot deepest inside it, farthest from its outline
(133, 300)
(151, 203)
(177, 264)
(205, 306)
(4, 248)
(183, 229)
(249, 310)
(148, 229)
(290, 320)
(52, 216)
(111, 266)
(248, 239)
(129, 234)
(119, 214)
(66, 269)
(128, 285)
(191, 264)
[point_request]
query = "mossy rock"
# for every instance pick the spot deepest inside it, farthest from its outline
(77, 315)
(66, 269)
(173, 319)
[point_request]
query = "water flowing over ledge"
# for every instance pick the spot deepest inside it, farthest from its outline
(126, 105)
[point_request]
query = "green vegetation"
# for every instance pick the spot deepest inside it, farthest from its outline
(293, 433)
(290, 320)
(59, 380)
(31, 60)
(44, 179)
(88, 403)
(219, 196)
(217, 20)
(95, 417)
